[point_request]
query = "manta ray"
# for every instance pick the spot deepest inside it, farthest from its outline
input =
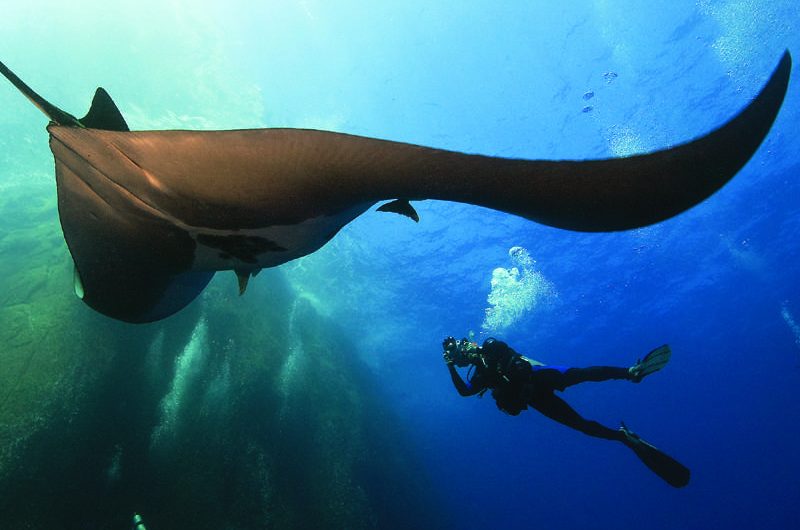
(150, 216)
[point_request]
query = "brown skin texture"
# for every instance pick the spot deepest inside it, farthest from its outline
(135, 196)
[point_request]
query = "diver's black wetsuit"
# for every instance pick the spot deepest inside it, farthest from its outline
(517, 383)
(538, 387)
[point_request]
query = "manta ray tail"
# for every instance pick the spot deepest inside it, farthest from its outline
(103, 113)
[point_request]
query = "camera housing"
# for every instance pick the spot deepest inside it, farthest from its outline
(459, 352)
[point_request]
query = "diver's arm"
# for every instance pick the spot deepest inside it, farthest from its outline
(463, 388)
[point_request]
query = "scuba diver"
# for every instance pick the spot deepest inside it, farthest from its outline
(517, 382)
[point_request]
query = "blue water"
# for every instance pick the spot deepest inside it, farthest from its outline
(718, 283)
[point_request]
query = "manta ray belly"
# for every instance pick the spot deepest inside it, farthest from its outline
(256, 248)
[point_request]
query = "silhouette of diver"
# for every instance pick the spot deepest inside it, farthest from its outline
(517, 382)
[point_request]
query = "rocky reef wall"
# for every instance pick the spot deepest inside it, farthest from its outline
(240, 413)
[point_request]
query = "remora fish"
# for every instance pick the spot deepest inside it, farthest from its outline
(149, 216)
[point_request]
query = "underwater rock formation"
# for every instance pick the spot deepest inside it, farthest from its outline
(253, 414)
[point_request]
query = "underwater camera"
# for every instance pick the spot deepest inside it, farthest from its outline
(459, 352)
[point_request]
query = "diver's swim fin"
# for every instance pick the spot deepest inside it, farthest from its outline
(652, 362)
(670, 470)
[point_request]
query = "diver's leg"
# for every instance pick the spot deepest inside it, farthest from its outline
(666, 467)
(561, 377)
(574, 376)
(559, 410)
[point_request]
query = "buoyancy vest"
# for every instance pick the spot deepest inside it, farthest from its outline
(508, 374)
